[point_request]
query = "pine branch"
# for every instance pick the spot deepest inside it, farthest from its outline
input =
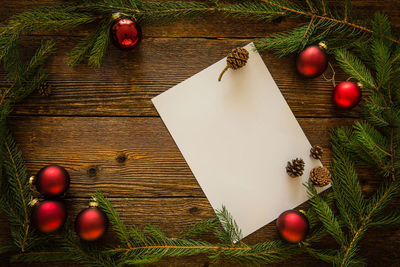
(389, 218)
(287, 42)
(326, 215)
(113, 216)
(201, 228)
(346, 187)
(353, 66)
(17, 179)
(100, 46)
(17, 89)
(231, 233)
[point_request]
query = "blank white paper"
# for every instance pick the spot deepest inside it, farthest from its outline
(237, 136)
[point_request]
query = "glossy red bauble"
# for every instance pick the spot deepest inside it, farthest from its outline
(346, 95)
(52, 181)
(49, 215)
(292, 226)
(91, 224)
(312, 61)
(126, 34)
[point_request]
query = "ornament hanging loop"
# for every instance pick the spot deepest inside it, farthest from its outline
(93, 202)
(357, 82)
(323, 45)
(118, 15)
(332, 79)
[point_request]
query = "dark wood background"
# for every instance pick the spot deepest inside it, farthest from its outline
(101, 125)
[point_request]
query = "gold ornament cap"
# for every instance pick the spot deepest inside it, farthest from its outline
(33, 202)
(32, 180)
(116, 15)
(323, 45)
(93, 202)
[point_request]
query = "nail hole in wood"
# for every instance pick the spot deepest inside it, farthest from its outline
(277, 20)
(363, 182)
(121, 158)
(193, 210)
(92, 171)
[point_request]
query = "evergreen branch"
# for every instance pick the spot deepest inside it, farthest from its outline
(232, 232)
(323, 17)
(347, 5)
(16, 172)
(201, 228)
(82, 49)
(45, 50)
(137, 236)
(100, 46)
(287, 42)
(326, 215)
(353, 66)
(113, 216)
(376, 203)
(310, 6)
(392, 218)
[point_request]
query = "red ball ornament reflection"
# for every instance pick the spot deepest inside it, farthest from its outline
(347, 95)
(51, 181)
(292, 226)
(312, 61)
(49, 215)
(91, 223)
(126, 34)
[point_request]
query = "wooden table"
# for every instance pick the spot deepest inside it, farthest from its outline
(101, 125)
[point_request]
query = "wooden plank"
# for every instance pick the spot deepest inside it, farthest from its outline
(172, 215)
(206, 26)
(126, 82)
(132, 157)
(121, 156)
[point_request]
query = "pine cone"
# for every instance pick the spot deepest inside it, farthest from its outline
(236, 59)
(320, 176)
(45, 89)
(295, 168)
(316, 152)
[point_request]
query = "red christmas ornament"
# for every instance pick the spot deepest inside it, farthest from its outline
(51, 181)
(91, 223)
(49, 215)
(347, 95)
(292, 226)
(312, 61)
(126, 34)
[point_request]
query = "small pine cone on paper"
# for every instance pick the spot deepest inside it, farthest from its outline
(320, 176)
(316, 152)
(295, 168)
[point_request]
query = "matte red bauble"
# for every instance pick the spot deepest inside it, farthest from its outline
(292, 226)
(347, 95)
(51, 181)
(126, 34)
(49, 215)
(312, 61)
(91, 223)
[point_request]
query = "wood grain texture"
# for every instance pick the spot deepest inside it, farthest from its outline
(126, 82)
(101, 125)
(133, 157)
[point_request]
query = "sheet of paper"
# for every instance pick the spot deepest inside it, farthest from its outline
(237, 136)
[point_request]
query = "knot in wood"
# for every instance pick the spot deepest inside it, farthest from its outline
(121, 158)
(92, 171)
